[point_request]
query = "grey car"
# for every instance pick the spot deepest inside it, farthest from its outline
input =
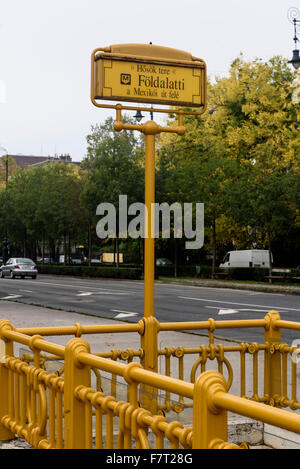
(19, 267)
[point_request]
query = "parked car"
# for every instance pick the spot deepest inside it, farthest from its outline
(46, 260)
(19, 267)
(163, 261)
(246, 258)
(76, 261)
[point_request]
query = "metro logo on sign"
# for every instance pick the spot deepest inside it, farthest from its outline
(125, 79)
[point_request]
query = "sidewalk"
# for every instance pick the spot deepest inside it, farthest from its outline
(238, 285)
(24, 315)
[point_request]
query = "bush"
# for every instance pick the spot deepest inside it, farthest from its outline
(184, 271)
(86, 271)
(247, 273)
(295, 273)
(206, 271)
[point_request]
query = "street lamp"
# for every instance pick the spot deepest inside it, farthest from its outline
(293, 15)
(6, 165)
(5, 243)
(138, 116)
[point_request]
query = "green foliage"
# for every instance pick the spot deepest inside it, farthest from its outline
(95, 272)
(241, 159)
(248, 273)
(11, 169)
(112, 166)
(184, 271)
(42, 202)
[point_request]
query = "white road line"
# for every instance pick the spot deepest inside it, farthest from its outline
(62, 285)
(88, 293)
(123, 314)
(10, 297)
(27, 291)
(241, 304)
(234, 311)
(228, 311)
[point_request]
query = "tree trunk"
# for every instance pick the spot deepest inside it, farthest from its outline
(51, 250)
(139, 247)
(69, 249)
(176, 258)
(57, 251)
(24, 247)
(270, 258)
(213, 270)
(43, 249)
(117, 251)
(89, 244)
(117, 242)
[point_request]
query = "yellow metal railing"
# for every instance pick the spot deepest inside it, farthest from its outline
(269, 359)
(70, 408)
(212, 402)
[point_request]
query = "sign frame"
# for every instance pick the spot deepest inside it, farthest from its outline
(133, 54)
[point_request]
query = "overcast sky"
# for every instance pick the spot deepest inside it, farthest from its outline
(45, 49)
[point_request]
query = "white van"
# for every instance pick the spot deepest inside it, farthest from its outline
(246, 258)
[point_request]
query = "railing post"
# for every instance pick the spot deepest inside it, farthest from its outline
(76, 375)
(6, 349)
(209, 422)
(149, 338)
(148, 396)
(272, 372)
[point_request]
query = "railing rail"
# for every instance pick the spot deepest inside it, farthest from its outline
(65, 410)
(212, 402)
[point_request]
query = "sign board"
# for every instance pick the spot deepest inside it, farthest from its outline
(108, 257)
(149, 80)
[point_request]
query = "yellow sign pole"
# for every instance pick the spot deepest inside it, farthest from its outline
(157, 75)
(149, 340)
(151, 325)
(149, 226)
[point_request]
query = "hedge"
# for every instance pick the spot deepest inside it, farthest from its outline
(184, 271)
(247, 273)
(234, 273)
(136, 273)
(257, 274)
(86, 271)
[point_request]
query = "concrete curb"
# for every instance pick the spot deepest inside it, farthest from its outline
(289, 290)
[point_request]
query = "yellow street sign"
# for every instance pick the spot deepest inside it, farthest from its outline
(150, 80)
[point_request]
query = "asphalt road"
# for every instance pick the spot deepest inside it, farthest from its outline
(123, 300)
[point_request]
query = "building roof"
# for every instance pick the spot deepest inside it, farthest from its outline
(23, 161)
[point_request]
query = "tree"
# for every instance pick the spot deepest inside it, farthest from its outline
(262, 201)
(193, 169)
(113, 169)
(239, 157)
(42, 203)
(263, 142)
(7, 168)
